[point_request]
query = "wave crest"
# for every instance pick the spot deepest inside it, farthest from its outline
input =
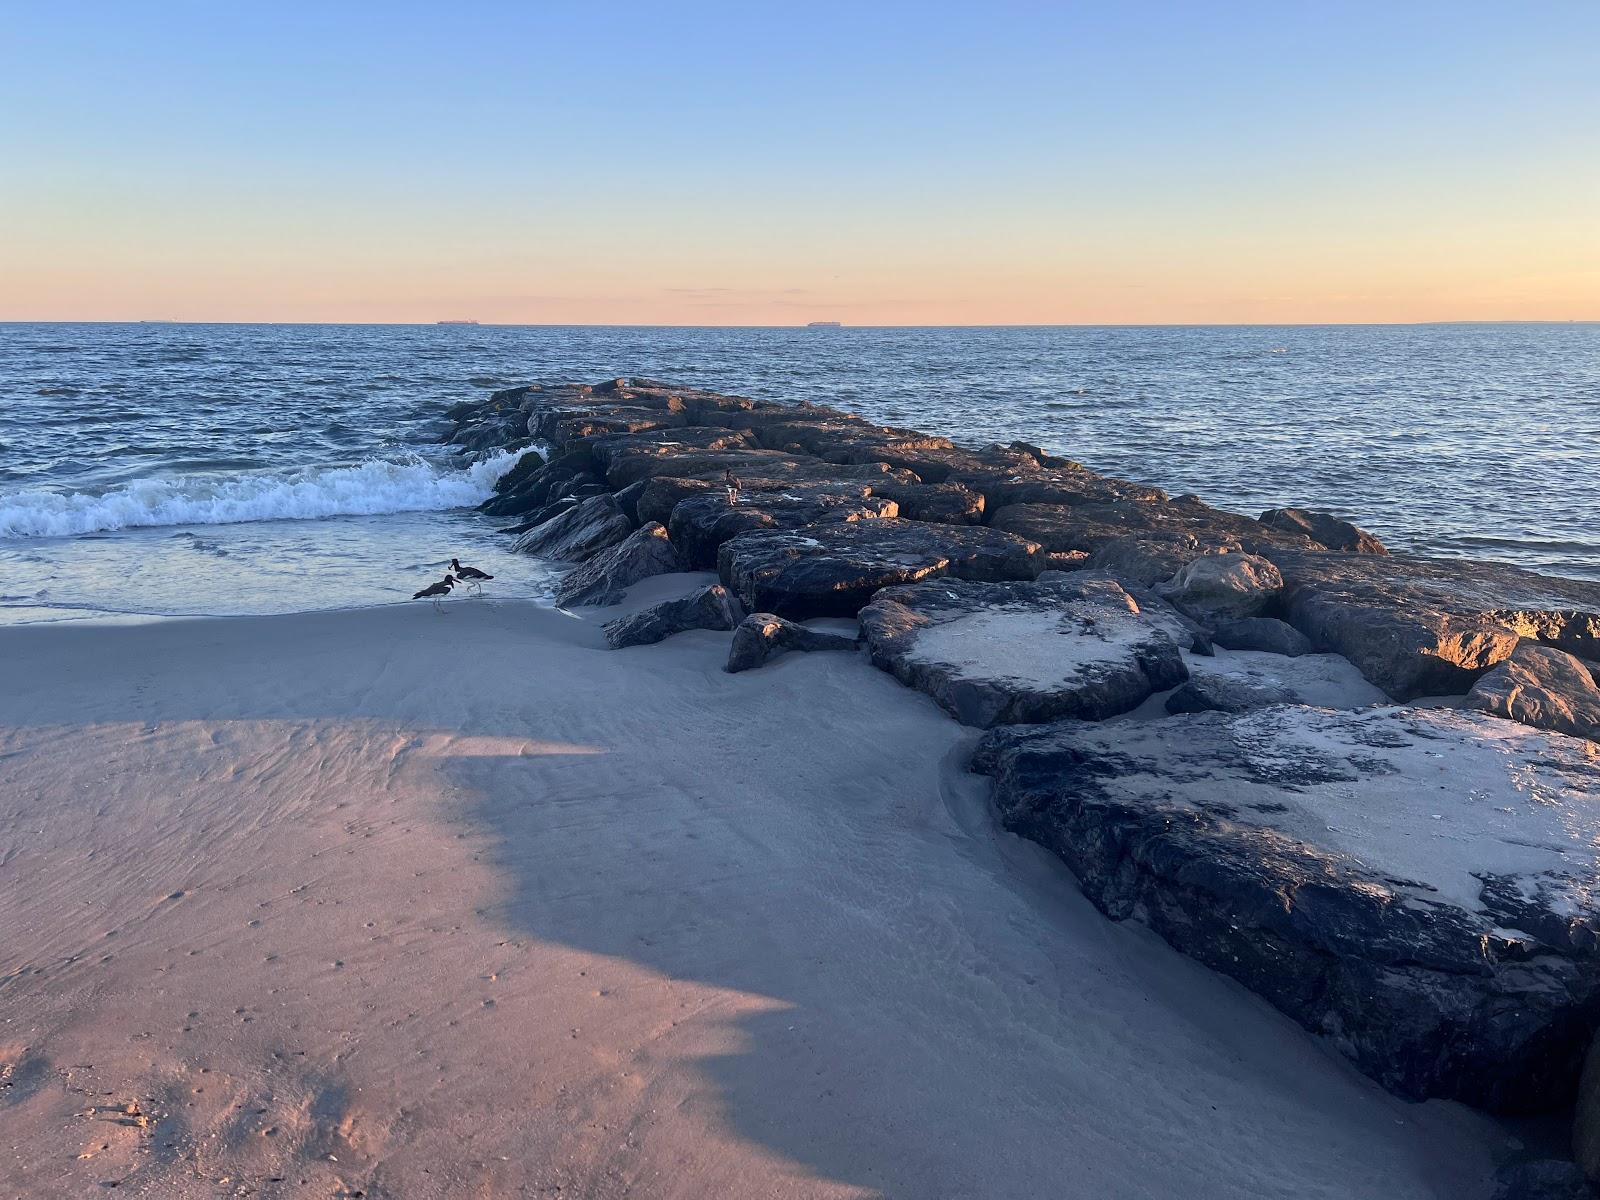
(411, 484)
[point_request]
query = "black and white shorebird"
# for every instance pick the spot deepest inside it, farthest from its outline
(436, 591)
(470, 576)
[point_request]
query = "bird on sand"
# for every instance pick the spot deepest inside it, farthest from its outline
(470, 575)
(434, 591)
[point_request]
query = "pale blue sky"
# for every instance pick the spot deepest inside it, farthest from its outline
(755, 163)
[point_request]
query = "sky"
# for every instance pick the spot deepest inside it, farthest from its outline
(1135, 162)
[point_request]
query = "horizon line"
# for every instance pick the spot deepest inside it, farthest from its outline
(467, 324)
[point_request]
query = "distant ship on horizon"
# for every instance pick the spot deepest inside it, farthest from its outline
(455, 322)
(824, 324)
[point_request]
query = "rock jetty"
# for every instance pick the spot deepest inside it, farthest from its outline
(1363, 783)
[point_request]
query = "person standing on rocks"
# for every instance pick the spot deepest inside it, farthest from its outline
(731, 481)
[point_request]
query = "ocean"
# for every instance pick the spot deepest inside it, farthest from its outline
(162, 469)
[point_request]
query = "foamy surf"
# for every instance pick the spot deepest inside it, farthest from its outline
(410, 484)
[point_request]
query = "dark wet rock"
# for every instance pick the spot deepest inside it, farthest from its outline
(524, 471)
(579, 533)
(761, 637)
(1542, 1179)
(521, 492)
(645, 552)
(1542, 687)
(628, 501)
(1586, 1115)
(1262, 633)
(945, 503)
(711, 607)
(1430, 627)
(1223, 587)
(1324, 528)
(1181, 523)
(545, 512)
(832, 570)
(701, 524)
(1415, 884)
(1065, 645)
(493, 432)
(662, 493)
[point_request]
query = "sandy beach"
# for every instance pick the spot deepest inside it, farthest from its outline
(388, 903)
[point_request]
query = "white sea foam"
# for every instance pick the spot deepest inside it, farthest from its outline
(410, 484)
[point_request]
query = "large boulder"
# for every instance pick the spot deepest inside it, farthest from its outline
(1267, 634)
(832, 570)
(1149, 559)
(701, 523)
(645, 552)
(1243, 681)
(948, 503)
(1089, 526)
(1430, 627)
(761, 637)
(1542, 687)
(711, 607)
(1223, 587)
(1067, 645)
(560, 424)
(660, 495)
(579, 533)
(1323, 527)
(1418, 885)
(672, 442)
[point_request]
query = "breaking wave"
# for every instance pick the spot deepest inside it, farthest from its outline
(410, 484)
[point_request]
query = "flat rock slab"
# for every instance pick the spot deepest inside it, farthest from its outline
(1183, 522)
(1430, 627)
(1071, 645)
(1242, 681)
(1069, 483)
(700, 524)
(1419, 885)
(832, 570)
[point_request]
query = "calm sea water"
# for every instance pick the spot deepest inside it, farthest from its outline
(250, 468)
